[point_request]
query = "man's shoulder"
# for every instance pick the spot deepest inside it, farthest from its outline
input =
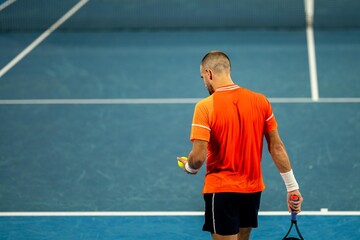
(251, 93)
(205, 101)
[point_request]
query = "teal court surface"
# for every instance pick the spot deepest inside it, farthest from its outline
(96, 103)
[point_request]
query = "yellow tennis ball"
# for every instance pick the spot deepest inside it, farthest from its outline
(180, 164)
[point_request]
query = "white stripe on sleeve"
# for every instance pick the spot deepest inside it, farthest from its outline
(202, 126)
(272, 115)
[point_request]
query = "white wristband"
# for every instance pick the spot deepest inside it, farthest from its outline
(189, 169)
(290, 181)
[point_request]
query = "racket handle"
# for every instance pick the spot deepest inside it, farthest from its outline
(294, 198)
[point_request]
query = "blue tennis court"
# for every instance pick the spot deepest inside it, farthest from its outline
(96, 103)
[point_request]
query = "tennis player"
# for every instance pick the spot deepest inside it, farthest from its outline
(228, 129)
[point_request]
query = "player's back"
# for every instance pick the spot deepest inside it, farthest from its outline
(237, 130)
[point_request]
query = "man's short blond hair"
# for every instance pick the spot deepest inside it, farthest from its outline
(217, 61)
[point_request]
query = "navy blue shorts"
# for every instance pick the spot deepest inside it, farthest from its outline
(226, 213)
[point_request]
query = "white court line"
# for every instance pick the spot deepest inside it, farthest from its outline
(312, 64)
(319, 100)
(165, 213)
(309, 15)
(6, 4)
(42, 37)
(102, 101)
(157, 101)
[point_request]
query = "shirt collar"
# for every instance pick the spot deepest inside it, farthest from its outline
(227, 88)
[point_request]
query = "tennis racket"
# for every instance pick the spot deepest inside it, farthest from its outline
(293, 223)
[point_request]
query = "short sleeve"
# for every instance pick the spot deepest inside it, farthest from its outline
(270, 121)
(200, 128)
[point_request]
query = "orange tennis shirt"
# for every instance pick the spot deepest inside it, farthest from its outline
(233, 121)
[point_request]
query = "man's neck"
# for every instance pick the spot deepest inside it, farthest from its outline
(222, 82)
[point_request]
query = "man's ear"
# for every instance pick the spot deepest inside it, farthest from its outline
(210, 74)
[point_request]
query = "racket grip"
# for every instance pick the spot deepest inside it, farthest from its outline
(294, 198)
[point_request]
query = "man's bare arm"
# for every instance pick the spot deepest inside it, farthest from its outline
(281, 159)
(196, 156)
